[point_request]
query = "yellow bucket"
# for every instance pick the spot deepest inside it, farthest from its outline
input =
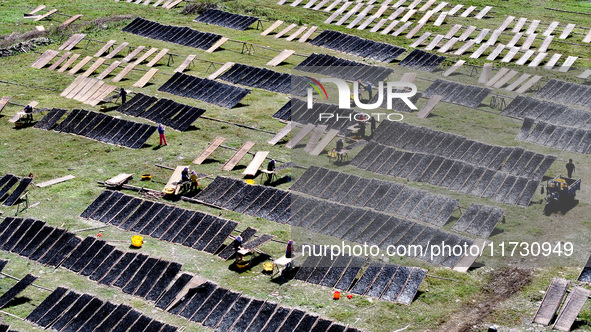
(268, 267)
(169, 191)
(249, 181)
(137, 241)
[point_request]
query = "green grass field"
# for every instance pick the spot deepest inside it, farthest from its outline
(455, 301)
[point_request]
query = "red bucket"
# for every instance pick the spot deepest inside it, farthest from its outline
(337, 295)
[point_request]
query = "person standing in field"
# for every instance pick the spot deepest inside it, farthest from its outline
(570, 168)
(161, 132)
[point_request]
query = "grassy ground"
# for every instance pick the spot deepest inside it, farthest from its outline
(49, 155)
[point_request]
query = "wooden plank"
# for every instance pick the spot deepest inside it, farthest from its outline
(587, 38)
(101, 94)
(567, 64)
(123, 73)
(529, 84)
(453, 31)
(185, 63)
(88, 91)
(506, 23)
(39, 8)
(146, 55)
(67, 42)
(175, 178)
(84, 85)
(369, 20)
(157, 3)
(517, 82)
(583, 75)
(307, 35)
(439, 7)
(408, 15)
(494, 36)
(282, 133)
(99, 62)
(571, 308)
(428, 107)
(481, 36)
(320, 4)
(464, 264)
(408, 77)
(220, 70)
(60, 60)
(514, 40)
(401, 29)
(485, 74)
(505, 79)
(498, 75)
(566, 32)
(209, 150)
(546, 44)
(528, 41)
(519, 25)
(454, 10)
(217, 45)
(69, 88)
(378, 25)
(390, 27)
(68, 63)
(75, 42)
(272, 27)
(415, 30)
(349, 14)
(331, 6)
(55, 181)
(464, 47)
(118, 179)
(70, 20)
(483, 12)
(133, 54)
(256, 162)
(450, 43)
(79, 65)
(310, 4)
(300, 136)
(532, 27)
(40, 28)
(286, 30)
(414, 4)
(337, 12)
(440, 19)
(427, 5)
(108, 70)
(510, 55)
(280, 58)
(359, 17)
(296, 2)
(525, 57)
(551, 28)
(44, 59)
(434, 42)
(19, 114)
(4, 101)
(157, 58)
(537, 60)
(330, 135)
(553, 60)
(46, 15)
(551, 301)
(105, 47)
(315, 138)
(116, 50)
(173, 4)
(495, 53)
(395, 14)
(453, 68)
(235, 159)
(468, 11)
(144, 80)
(421, 39)
(479, 51)
(296, 33)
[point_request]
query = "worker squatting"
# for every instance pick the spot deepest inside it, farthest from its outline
(411, 250)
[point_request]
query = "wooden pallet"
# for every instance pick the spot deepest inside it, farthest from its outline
(118, 180)
(158, 57)
(300, 136)
(105, 48)
(144, 80)
(146, 55)
(72, 85)
(79, 65)
(272, 27)
(324, 142)
(571, 308)
(209, 150)
(220, 70)
(282, 133)
(217, 45)
(551, 301)
(123, 73)
(256, 162)
(185, 63)
(55, 181)
(133, 54)
(72, 42)
(428, 107)
(101, 94)
(70, 20)
(232, 162)
(280, 58)
(46, 15)
(116, 50)
(44, 59)
(99, 62)
(60, 60)
(68, 63)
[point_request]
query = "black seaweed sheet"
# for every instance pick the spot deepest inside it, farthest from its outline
(98, 259)
(73, 311)
(118, 268)
(220, 310)
(412, 286)
(47, 304)
(127, 321)
(16, 289)
(367, 278)
(106, 265)
(292, 320)
(396, 285)
(197, 296)
(130, 271)
(88, 256)
(172, 292)
(58, 309)
(78, 252)
(277, 319)
(230, 317)
(247, 316)
(84, 315)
